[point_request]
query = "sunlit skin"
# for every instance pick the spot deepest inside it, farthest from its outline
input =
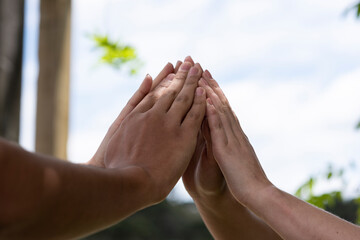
(180, 124)
(46, 198)
(247, 188)
(223, 215)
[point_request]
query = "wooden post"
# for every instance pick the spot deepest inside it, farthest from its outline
(54, 73)
(11, 47)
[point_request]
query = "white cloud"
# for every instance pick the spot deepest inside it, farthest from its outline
(297, 127)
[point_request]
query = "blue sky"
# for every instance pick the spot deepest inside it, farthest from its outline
(290, 69)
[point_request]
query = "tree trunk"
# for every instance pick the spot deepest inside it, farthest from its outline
(11, 46)
(53, 83)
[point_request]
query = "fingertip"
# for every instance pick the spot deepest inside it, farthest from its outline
(177, 66)
(146, 84)
(148, 76)
(199, 65)
(185, 66)
(189, 59)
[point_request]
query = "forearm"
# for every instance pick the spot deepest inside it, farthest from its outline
(42, 197)
(227, 219)
(296, 219)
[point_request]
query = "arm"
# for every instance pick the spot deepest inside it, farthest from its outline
(290, 217)
(223, 215)
(42, 197)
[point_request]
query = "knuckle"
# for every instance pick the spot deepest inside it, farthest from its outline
(172, 93)
(183, 98)
(194, 114)
(151, 96)
(192, 80)
(180, 76)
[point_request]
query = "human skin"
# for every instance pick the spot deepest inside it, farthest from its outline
(45, 198)
(224, 217)
(288, 216)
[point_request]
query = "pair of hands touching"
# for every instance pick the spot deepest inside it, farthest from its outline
(181, 125)
(161, 135)
(178, 125)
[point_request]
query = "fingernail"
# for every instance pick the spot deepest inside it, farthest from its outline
(193, 71)
(207, 74)
(199, 66)
(199, 91)
(188, 59)
(148, 75)
(185, 66)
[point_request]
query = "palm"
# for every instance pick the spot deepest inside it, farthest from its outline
(203, 176)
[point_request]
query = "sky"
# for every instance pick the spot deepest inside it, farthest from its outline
(290, 69)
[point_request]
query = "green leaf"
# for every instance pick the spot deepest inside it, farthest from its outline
(116, 54)
(358, 125)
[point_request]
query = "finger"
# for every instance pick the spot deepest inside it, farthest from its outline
(209, 174)
(189, 174)
(185, 98)
(149, 101)
(169, 68)
(177, 66)
(142, 91)
(163, 85)
(190, 60)
(195, 116)
(215, 87)
(200, 67)
(217, 131)
(222, 108)
(172, 91)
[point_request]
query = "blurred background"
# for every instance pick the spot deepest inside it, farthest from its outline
(290, 69)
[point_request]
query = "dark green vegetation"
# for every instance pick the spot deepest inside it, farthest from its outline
(167, 220)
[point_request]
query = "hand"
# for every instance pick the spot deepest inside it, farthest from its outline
(146, 86)
(223, 215)
(231, 148)
(155, 142)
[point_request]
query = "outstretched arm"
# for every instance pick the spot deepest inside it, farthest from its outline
(42, 197)
(289, 216)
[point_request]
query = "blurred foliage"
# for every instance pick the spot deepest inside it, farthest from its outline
(333, 201)
(355, 8)
(358, 125)
(167, 220)
(116, 54)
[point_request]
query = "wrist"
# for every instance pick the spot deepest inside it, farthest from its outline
(261, 198)
(135, 182)
(216, 203)
(252, 191)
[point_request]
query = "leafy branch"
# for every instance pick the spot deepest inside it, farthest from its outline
(328, 200)
(116, 54)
